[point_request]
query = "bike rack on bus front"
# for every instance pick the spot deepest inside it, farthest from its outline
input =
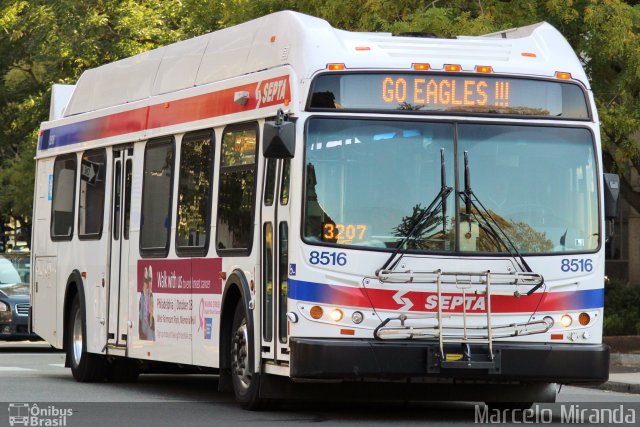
(462, 335)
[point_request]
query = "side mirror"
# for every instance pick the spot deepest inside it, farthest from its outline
(279, 138)
(611, 195)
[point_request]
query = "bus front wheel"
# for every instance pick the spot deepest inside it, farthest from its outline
(85, 366)
(246, 384)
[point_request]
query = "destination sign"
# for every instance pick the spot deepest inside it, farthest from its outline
(422, 92)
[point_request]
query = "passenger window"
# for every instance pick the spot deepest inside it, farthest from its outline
(234, 231)
(155, 221)
(92, 185)
(194, 194)
(63, 197)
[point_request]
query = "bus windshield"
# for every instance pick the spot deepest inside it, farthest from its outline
(368, 182)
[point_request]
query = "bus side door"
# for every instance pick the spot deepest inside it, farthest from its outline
(119, 254)
(274, 260)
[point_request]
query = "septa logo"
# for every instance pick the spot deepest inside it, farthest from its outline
(273, 91)
(456, 302)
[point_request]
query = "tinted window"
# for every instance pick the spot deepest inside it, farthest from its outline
(156, 198)
(92, 185)
(237, 187)
(270, 181)
(194, 192)
(368, 182)
(284, 185)
(267, 281)
(63, 197)
(128, 175)
(283, 276)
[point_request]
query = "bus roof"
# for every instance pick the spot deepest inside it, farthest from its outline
(308, 44)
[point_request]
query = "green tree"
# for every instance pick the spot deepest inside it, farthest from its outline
(605, 33)
(52, 41)
(43, 42)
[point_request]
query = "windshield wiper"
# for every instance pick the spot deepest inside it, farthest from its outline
(439, 203)
(473, 205)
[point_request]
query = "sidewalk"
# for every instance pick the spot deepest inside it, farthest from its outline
(624, 375)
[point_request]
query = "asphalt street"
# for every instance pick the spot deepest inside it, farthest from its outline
(32, 374)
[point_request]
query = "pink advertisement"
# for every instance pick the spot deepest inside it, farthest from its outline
(167, 291)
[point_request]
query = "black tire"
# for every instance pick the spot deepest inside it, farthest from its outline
(123, 370)
(85, 367)
(246, 384)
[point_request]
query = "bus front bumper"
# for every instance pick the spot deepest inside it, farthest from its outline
(324, 358)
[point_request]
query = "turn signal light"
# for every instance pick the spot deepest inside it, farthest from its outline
(316, 312)
(584, 319)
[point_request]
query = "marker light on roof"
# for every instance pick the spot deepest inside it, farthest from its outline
(452, 67)
(421, 67)
(335, 67)
(563, 75)
(529, 54)
(484, 69)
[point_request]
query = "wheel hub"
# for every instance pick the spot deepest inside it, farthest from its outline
(240, 356)
(77, 339)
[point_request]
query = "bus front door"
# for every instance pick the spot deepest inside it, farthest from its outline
(274, 261)
(120, 225)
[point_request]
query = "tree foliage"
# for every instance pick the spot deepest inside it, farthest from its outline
(52, 41)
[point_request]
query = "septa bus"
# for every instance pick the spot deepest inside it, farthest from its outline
(292, 205)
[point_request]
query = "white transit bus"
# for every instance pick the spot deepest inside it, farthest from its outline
(291, 205)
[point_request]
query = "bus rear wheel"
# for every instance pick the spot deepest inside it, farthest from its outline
(246, 384)
(85, 366)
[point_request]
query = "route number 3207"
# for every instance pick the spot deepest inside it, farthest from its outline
(575, 265)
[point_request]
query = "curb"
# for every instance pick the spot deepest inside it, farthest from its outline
(625, 359)
(620, 387)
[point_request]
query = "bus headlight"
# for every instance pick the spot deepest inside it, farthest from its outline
(336, 315)
(566, 320)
